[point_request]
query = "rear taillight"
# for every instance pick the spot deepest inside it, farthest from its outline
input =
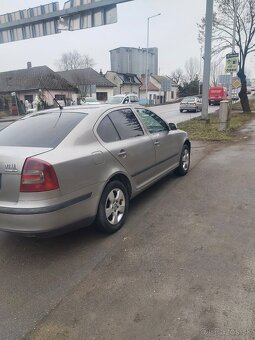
(37, 176)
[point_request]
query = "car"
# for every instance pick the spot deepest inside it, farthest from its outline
(83, 163)
(123, 99)
(191, 104)
(89, 101)
(216, 94)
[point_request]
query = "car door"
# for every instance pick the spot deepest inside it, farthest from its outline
(164, 139)
(129, 144)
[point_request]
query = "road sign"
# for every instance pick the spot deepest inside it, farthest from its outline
(232, 62)
(236, 83)
(166, 85)
(49, 19)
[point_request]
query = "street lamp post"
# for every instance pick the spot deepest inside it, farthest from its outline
(147, 52)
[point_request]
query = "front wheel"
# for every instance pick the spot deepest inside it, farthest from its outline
(113, 207)
(184, 164)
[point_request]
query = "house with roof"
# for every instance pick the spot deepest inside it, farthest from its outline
(125, 82)
(35, 83)
(161, 89)
(89, 83)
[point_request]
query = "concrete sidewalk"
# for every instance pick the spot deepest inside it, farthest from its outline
(186, 270)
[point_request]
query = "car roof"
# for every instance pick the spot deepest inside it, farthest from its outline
(91, 110)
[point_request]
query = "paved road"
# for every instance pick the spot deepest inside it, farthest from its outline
(172, 113)
(182, 263)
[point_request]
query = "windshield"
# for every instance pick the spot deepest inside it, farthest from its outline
(42, 130)
(115, 100)
(188, 99)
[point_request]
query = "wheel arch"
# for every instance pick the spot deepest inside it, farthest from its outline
(187, 142)
(123, 179)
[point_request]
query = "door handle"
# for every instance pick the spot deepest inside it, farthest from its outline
(122, 153)
(157, 142)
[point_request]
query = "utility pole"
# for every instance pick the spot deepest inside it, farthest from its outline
(147, 52)
(207, 57)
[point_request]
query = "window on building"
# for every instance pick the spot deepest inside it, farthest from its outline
(60, 97)
(102, 96)
(29, 98)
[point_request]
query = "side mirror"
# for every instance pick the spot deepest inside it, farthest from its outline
(172, 126)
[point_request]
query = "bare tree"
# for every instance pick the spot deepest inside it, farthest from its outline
(223, 34)
(73, 61)
(192, 68)
(216, 70)
(177, 76)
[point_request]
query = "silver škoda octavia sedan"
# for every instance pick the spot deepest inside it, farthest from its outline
(58, 167)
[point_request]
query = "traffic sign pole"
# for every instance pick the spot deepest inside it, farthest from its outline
(233, 51)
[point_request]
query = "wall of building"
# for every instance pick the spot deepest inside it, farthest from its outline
(109, 91)
(112, 77)
(48, 97)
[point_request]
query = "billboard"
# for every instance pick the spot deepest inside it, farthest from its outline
(49, 19)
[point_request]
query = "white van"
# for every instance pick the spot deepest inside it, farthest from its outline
(123, 99)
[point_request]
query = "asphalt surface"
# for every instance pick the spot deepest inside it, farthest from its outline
(171, 112)
(181, 268)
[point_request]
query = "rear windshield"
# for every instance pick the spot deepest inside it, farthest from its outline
(188, 100)
(115, 100)
(42, 130)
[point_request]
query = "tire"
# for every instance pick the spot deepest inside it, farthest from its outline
(181, 110)
(184, 164)
(113, 208)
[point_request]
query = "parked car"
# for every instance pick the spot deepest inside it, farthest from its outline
(58, 167)
(191, 104)
(217, 94)
(89, 101)
(124, 99)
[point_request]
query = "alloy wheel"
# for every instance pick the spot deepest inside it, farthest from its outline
(115, 206)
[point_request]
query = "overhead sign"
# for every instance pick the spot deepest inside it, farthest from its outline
(232, 62)
(49, 19)
(31, 27)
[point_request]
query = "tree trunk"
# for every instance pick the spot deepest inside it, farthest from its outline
(243, 93)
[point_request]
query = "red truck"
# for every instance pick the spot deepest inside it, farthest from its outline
(217, 94)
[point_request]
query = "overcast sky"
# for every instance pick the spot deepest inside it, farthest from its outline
(174, 33)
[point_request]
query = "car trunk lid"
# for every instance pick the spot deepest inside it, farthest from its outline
(12, 160)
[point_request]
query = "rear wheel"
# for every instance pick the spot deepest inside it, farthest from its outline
(181, 110)
(113, 207)
(184, 164)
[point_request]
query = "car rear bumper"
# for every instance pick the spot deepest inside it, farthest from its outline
(49, 218)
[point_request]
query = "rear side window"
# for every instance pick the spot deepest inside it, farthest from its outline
(107, 131)
(126, 123)
(43, 130)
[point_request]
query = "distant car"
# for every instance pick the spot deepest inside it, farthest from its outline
(83, 164)
(124, 99)
(89, 101)
(248, 90)
(191, 104)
